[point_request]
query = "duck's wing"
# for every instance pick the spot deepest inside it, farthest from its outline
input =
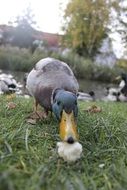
(53, 73)
(49, 74)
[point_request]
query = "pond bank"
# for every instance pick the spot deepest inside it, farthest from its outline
(85, 85)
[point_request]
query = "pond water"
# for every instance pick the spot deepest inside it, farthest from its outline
(84, 85)
(99, 88)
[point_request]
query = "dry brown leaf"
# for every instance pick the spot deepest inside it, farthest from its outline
(11, 105)
(33, 116)
(37, 115)
(93, 109)
(31, 121)
(41, 115)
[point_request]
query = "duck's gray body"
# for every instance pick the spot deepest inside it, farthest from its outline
(47, 75)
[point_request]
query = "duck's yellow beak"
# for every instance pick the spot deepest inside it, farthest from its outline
(68, 128)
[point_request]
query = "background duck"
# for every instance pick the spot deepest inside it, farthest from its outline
(112, 94)
(123, 87)
(7, 84)
(54, 86)
(119, 93)
(86, 96)
(123, 80)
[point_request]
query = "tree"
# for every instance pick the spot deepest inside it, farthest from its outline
(121, 26)
(118, 25)
(23, 35)
(85, 25)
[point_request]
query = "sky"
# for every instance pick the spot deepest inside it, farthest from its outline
(47, 13)
(48, 16)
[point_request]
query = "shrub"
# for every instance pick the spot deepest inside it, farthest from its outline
(20, 59)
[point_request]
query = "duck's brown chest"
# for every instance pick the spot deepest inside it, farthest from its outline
(43, 97)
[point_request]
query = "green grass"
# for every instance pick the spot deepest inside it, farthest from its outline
(29, 160)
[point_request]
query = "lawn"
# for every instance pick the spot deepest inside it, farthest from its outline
(28, 154)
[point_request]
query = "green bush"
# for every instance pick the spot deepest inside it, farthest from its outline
(14, 59)
(122, 63)
(84, 68)
(20, 59)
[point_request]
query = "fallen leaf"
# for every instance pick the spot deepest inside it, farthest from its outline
(41, 115)
(38, 115)
(11, 105)
(33, 116)
(31, 121)
(93, 109)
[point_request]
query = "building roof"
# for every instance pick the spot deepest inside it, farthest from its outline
(50, 38)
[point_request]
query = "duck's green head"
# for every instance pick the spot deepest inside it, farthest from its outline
(64, 106)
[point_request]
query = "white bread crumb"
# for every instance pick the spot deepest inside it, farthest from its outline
(69, 152)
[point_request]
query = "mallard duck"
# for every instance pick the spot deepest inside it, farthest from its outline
(54, 86)
(122, 87)
(123, 80)
(7, 84)
(86, 96)
(112, 94)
